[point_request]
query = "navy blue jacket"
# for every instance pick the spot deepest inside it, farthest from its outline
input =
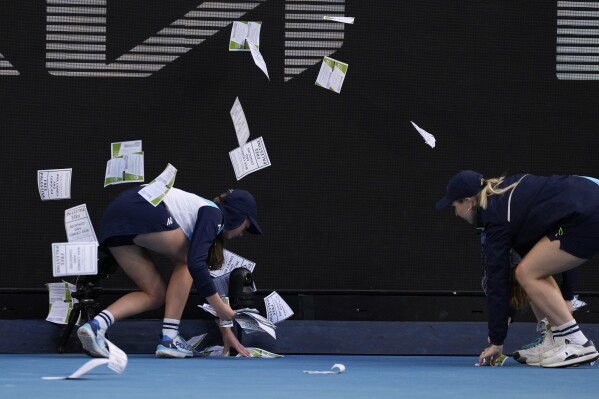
(538, 205)
(207, 227)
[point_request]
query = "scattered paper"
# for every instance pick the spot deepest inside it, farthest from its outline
(117, 362)
(337, 368)
(332, 74)
(231, 262)
(248, 319)
(117, 358)
(240, 123)
(60, 301)
(498, 362)
(277, 309)
(344, 20)
(126, 164)
(78, 225)
(217, 350)
(54, 184)
(249, 158)
(155, 191)
(88, 366)
(243, 32)
(258, 59)
(74, 258)
(428, 138)
(196, 340)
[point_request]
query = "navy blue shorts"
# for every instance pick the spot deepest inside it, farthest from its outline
(130, 215)
(580, 238)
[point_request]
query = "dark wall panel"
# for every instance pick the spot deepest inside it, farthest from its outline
(348, 203)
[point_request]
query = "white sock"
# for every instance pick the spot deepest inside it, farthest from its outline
(569, 331)
(170, 327)
(104, 319)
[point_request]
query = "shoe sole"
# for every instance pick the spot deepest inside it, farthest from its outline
(88, 340)
(587, 358)
(171, 353)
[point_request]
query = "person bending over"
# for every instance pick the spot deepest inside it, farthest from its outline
(189, 231)
(553, 223)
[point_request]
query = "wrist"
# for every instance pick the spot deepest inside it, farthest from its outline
(498, 348)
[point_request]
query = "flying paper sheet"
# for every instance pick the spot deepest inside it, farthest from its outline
(155, 191)
(126, 164)
(74, 258)
(428, 138)
(344, 20)
(249, 158)
(78, 225)
(258, 59)
(277, 309)
(240, 122)
(54, 184)
(243, 32)
(332, 74)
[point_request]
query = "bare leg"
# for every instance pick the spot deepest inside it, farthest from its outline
(174, 246)
(535, 309)
(534, 275)
(137, 263)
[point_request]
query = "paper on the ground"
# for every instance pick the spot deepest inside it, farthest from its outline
(337, 368)
(89, 365)
(332, 74)
(54, 184)
(126, 164)
(258, 59)
(428, 138)
(78, 224)
(498, 362)
(243, 32)
(155, 191)
(74, 258)
(117, 361)
(240, 123)
(344, 20)
(60, 301)
(217, 350)
(117, 358)
(231, 262)
(249, 158)
(277, 309)
(196, 340)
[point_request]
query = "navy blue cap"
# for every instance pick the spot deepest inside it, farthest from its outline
(465, 184)
(237, 205)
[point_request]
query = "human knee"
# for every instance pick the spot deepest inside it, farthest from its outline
(157, 296)
(522, 275)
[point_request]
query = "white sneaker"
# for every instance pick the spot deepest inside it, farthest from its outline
(533, 355)
(570, 354)
(93, 340)
(176, 347)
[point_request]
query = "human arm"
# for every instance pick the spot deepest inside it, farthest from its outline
(231, 341)
(497, 267)
(209, 220)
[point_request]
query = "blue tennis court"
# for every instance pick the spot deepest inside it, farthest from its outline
(365, 377)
